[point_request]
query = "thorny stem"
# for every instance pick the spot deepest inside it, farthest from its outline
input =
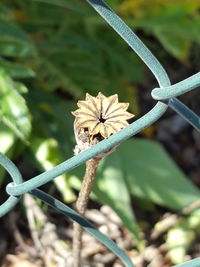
(81, 205)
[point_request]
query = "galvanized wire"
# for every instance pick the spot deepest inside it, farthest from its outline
(177, 89)
(165, 93)
(16, 177)
(192, 263)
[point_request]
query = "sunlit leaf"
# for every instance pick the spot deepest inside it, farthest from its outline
(48, 155)
(179, 239)
(181, 236)
(177, 45)
(151, 174)
(13, 109)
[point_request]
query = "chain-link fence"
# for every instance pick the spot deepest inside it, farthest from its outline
(165, 95)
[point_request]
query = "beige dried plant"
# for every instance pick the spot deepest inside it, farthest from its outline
(96, 119)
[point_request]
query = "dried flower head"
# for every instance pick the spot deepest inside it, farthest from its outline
(99, 117)
(102, 115)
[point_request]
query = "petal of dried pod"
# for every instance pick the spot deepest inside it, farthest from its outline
(81, 112)
(116, 108)
(93, 102)
(120, 116)
(103, 130)
(95, 129)
(86, 106)
(101, 96)
(112, 126)
(118, 124)
(110, 101)
(110, 129)
(86, 116)
(82, 123)
(99, 106)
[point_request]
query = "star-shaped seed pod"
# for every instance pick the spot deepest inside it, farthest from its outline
(96, 119)
(99, 117)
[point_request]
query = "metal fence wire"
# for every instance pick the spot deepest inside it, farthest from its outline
(165, 95)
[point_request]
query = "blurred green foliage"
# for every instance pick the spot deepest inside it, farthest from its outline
(180, 236)
(175, 23)
(54, 51)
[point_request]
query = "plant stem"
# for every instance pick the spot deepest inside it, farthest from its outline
(81, 205)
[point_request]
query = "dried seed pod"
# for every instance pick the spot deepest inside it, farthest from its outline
(97, 118)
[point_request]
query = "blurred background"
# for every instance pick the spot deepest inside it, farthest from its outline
(146, 195)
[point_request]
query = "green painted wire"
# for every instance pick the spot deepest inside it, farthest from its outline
(64, 209)
(183, 110)
(177, 89)
(16, 176)
(192, 263)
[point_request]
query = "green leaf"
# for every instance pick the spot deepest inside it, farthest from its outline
(5, 14)
(76, 6)
(175, 44)
(13, 48)
(13, 40)
(13, 109)
(180, 237)
(52, 118)
(21, 88)
(110, 187)
(151, 174)
(48, 155)
(181, 17)
(13, 31)
(56, 72)
(7, 138)
(16, 70)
